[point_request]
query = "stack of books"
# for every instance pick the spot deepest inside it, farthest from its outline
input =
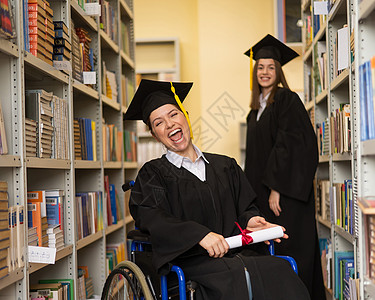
(111, 85)
(88, 287)
(38, 108)
(86, 138)
(85, 50)
(50, 34)
(62, 48)
(61, 128)
(32, 235)
(4, 229)
(55, 237)
(55, 208)
(77, 64)
(41, 34)
(46, 291)
(30, 134)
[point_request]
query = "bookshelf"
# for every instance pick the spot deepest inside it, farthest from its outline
(22, 71)
(347, 51)
(157, 59)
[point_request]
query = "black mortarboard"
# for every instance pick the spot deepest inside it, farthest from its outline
(270, 47)
(152, 94)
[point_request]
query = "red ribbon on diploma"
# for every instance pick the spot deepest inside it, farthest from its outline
(246, 239)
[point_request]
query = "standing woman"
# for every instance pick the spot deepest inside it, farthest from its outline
(281, 159)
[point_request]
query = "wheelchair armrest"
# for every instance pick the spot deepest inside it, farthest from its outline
(291, 260)
(139, 236)
(293, 264)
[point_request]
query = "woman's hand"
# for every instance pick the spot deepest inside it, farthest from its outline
(215, 244)
(274, 201)
(258, 223)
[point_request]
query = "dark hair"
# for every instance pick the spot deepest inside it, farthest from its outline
(280, 79)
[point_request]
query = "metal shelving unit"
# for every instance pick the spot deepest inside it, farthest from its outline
(358, 164)
(20, 71)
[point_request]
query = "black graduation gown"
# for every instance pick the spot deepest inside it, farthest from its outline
(282, 154)
(178, 210)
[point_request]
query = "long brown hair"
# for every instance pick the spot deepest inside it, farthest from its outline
(280, 79)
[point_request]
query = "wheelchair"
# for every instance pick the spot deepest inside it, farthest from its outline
(137, 279)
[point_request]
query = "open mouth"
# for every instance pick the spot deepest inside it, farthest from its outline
(176, 135)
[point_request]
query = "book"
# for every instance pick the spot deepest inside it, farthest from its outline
(20, 225)
(3, 135)
(69, 283)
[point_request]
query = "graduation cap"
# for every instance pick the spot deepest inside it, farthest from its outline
(152, 94)
(270, 47)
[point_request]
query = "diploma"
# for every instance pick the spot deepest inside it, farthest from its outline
(257, 236)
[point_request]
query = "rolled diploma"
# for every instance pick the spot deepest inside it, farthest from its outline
(258, 236)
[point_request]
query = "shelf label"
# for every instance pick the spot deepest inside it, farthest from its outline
(320, 7)
(89, 77)
(93, 9)
(62, 65)
(42, 255)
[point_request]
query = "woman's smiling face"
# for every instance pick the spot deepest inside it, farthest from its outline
(170, 127)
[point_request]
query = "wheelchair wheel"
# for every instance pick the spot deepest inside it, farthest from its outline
(126, 282)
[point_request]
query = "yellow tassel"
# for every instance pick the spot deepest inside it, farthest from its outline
(251, 69)
(182, 109)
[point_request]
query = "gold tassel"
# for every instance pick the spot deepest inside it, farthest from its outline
(182, 109)
(251, 69)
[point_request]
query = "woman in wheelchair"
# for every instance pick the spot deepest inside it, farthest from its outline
(189, 201)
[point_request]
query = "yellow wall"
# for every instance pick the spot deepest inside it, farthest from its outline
(214, 34)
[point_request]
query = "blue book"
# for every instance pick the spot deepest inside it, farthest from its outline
(112, 196)
(363, 103)
(88, 133)
(369, 101)
(84, 220)
(26, 25)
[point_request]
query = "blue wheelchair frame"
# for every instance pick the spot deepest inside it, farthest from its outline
(138, 246)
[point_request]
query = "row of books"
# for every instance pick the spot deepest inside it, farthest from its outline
(320, 68)
(112, 142)
(84, 139)
(12, 230)
(127, 90)
(46, 125)
(130, 146)
(323, 133)
(335, 203)
(366, 99)
(111, 198)
(45, 210)
(115, 253)
(85, 284)
(110, 88)
(54, 289)
(108, 19)
(89, 216)
(340, 129)
(125, 37)
(345, 284)
(3, 137)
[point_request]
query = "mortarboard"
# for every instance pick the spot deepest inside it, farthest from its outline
(152, 94)
(270, 47)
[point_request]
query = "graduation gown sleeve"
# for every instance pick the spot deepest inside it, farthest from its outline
(293, 160)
